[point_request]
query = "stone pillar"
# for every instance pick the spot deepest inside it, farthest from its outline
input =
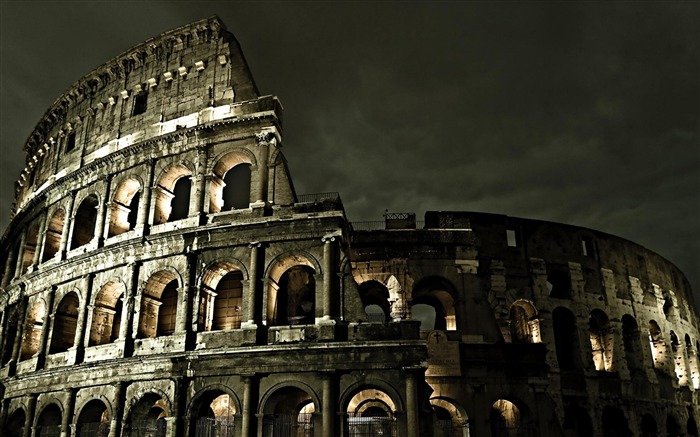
(80, 327)
(264, 139)
(250, 294)
(411, 404)
(17, 345)
(118, 410)
(48, 321)
(327, 407)
(329, 275)
(30, 419)
(100, 229)
(40, 241)
(68, 412)
(65, 237)
(20, 254)
(145, 206)
(7, 275)
(247, 425)
(200, 179)
(184, 296)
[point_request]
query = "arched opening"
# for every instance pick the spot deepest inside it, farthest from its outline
(292, 292)
(15, 424)
(437, 293)
(375, 300)
(506, 420)
(524, 323)
(648, 426)
(678, 359)
(173, 195)
(289, 412)
(449, 420)
(32, 330)
(371, 412)
(10, 333)
(213, 414)
(614, 423)
(672, 427)
(147, 417)
(52, 237)
(230, 183)
(236, 191)
(93, 420)
(691, 354)
(658, 346)
(221, 299)
(106, 314)
(65, 323)
(631, 338)
(49, 422)
(124, 207)
(84, 222)
(577, 422)
(602, 341)
(30, 247)
(159, 305)
(566, 339)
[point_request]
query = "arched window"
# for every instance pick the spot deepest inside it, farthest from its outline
(289, 412)
(524, 324)
(692, 357)
(159, 305)
(147, 417)
(49, 422)
(296, 298)
(15, 424)
(124, 207)
(106, 314)
(65, 323)
(172, 200)
(32, 330)
(632, 342)
(230, 182)
(438, 294)
(506, 420)
(213, 414)
(559, 281)
(228, 302)
(566, 339)
(371, 412)
(678, 359)
(602, 341)
(93, 420)
(54, 231)
(84, 222)
(30, 247)
(449, 419)
(375, 300)
(658, 345)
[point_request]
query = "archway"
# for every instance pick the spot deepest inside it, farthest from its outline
(577, 422)
(147, 417)
(648, 426)
(65, 323)
(566, 339)
(291, 298)
(52, 237)
(288, 412)
(632, 344)
(107, 314)
(673, 429)
(375, 300)
(213, 414)
(602, 341)
(30, 247)
(524, 323)
(124, 207)
(449, 419)
(49, 422)
(221, 298)
(159, 305)
(614, 423)
(506, 420)
(438, 293)
(172, 195)
(84, 222)
(15, 424)
(230, 182)
(657, 343)
(94, 420)
(32, 330)
(10, 332)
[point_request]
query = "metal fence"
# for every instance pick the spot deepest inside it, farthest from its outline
(288, 425)
(448, 428)
(147, 429)
(381, 225)
(93, 429)
(318, 197)
(48, 431)
(215, 427)
(359, 426)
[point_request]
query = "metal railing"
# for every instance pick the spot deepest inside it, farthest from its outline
(359, 426)
(318, 197)
(288, 425)
(215, 427)
(93, 429)
(48, 431)
(380, 225)
(147, 429)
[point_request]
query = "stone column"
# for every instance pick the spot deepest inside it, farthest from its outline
(411, 404)
(17, 345)
(100, 228)
(7, 275)
(65, 237)
(145, 206)
(68, 412)
(199, 207)
(250, 294)
(264, 139)
(184, 296)
(20, 254)
(80, 328)
(248, 402)
(43, 339)
(328, 275)
(40, 241)
(327, 407)
(30, 419)
(118, 410)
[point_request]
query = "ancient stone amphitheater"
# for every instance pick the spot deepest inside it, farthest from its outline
(162, 278)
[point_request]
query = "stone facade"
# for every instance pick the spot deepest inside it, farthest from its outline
(162, 278)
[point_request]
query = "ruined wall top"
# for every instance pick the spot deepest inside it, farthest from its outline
(162, 84)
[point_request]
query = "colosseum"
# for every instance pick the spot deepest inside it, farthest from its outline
(161, 277)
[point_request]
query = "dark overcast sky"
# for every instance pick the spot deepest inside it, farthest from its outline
(584, 113)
